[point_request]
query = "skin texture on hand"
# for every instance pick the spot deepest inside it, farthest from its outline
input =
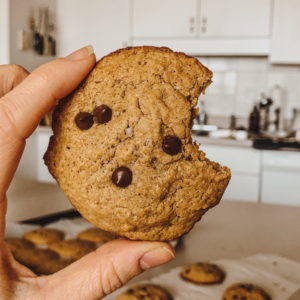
(24, 100)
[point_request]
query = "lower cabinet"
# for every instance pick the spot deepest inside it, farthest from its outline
(281, 177)
(257, 175)
(245, 168)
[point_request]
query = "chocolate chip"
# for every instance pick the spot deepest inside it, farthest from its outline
(171, 144)
(102, 114)
(122, 177)
(84, 120)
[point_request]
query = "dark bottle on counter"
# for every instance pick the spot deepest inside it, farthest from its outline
(254, 121)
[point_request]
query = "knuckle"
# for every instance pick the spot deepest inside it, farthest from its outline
(17, 69)
(16, 74)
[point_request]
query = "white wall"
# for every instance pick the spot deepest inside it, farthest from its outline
(4, 32)
(239, 81)
(20, 11)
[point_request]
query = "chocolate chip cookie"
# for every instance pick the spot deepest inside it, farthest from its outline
(14, 244)
(96, 235)
(203, 273)
(51, 266)
(245, 291)
(145, 292)
(72, 248)
(43, 235)
(122, 149)
(33, 257)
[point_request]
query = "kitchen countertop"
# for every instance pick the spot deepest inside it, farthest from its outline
(237, 229)
(222, 141)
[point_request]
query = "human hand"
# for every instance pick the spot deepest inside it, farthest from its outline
(24, 101)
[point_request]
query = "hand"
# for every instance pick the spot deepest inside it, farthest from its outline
(25, 100)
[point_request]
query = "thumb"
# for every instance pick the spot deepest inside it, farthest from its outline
(105, 270)
(22, 108)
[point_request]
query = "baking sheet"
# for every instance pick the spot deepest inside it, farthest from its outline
(279, 276)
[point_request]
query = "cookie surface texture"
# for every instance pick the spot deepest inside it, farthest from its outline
(122, 150)
(203, 273)
(245, 291)
(44, 236)
(145, 292)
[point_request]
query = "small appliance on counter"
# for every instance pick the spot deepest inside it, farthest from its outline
(267, 117)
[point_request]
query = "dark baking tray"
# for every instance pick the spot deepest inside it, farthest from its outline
(44, 220)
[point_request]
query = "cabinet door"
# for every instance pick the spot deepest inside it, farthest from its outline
(4, 32)
(285, 42)
(235, 18)
(101, 23)
(164, 19)
(245, 167)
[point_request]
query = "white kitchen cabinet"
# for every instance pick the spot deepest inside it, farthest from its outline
(105, 24)
(32, 164)
(4, 32)
(204, 27)
(285, 42)
(164, 19)
(235, 18)
(245, 167)
(281, 177)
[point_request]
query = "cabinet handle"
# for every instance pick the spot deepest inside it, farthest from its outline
(192, 25)
(203, 24)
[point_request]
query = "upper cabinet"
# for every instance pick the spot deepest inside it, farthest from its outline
(161, 19)
(285, 43)
(101, 23)
(235, 18)
(204, 27)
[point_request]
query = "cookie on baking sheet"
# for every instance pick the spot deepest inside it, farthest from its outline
(51, 266)
(44, 235)
(245, 291)
(203, 273)
(33, 257)
(14, 243)
(122, 149)
(72, 248)
(145, 292)
(96, 235)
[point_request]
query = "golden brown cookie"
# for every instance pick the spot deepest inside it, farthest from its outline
(72, 248)
(44, 235)
(33, 257)
(14, 243)
(145, 292)
(203, 273)
(51, 266)
(96, 235)
(245, 291)
(122, 149)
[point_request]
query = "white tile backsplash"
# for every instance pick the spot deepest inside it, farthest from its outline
(239, 81)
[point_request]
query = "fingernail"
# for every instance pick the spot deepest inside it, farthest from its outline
(81, 53)
(156, 257)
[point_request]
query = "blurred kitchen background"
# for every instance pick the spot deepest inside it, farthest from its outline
(249, 118)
